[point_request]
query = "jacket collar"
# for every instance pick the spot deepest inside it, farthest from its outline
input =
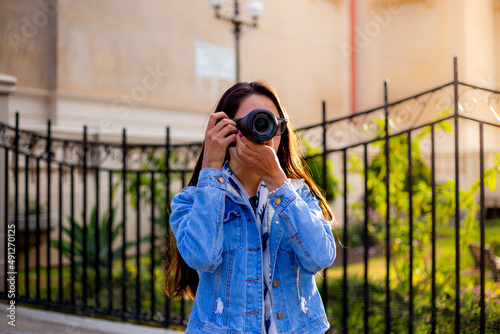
(297, 184)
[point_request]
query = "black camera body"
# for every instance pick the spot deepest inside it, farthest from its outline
(260, 125)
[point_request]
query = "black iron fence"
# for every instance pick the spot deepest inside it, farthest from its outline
(86, 223)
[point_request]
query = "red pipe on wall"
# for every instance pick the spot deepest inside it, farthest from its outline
(353, 55)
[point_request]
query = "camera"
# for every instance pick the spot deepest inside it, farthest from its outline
(260, 125)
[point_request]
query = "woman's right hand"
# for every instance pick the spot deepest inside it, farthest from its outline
(217, 138)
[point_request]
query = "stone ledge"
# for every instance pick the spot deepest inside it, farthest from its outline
(7, 83)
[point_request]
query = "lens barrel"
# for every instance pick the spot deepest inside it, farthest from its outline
(260, 125)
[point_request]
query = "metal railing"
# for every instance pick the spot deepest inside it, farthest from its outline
(99, 228)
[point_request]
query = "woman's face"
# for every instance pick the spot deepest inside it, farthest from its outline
(255, 101)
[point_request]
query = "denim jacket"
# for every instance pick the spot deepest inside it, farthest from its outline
(217, 236)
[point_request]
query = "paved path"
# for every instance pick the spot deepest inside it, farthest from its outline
(30, 321)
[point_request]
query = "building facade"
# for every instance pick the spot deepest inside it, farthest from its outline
(150, 64)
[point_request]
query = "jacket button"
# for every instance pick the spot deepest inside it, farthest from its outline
(275, 284)
(277, 201)
(221, 179)
(280, 315)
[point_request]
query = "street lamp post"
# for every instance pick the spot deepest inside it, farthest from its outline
(255, 10)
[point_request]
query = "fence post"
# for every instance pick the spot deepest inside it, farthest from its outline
(457, 199)
(482, 314)
(324, 287)
(7, 87)
(124, 229)
(387, 215)
(167, 209)
(84, 218)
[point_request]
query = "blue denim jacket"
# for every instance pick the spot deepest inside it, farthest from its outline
(217, 235)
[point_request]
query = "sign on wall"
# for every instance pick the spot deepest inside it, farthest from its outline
(214, 61)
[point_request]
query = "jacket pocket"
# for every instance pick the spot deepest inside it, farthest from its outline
(232, 231)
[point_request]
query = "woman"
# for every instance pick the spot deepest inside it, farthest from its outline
(252, 228)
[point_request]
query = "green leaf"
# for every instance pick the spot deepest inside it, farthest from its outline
(446, 126)
(491, 181)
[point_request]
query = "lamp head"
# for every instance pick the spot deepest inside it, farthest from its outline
(216, 3)
(255, 9)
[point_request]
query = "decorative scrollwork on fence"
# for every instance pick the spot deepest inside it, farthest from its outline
(7, 136)
(372, 124)
(73, 153)
(468, 102)
(346, 132)
(184, 157)
(421, 109)
(494, 105)
(313, 137)
(444, 103)
(402, 116)
(337, 135)
(482, 104)
(28, 143)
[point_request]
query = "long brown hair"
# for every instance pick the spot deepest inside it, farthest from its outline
(182, 279)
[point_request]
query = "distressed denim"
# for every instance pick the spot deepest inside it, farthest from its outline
(217, 236)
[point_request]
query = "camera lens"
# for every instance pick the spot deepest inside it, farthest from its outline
(261, 125)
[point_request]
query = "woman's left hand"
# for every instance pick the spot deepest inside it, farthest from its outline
(262, 159)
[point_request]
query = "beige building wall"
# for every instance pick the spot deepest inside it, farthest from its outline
(116, 63)
(123, 63)
(411, 44)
